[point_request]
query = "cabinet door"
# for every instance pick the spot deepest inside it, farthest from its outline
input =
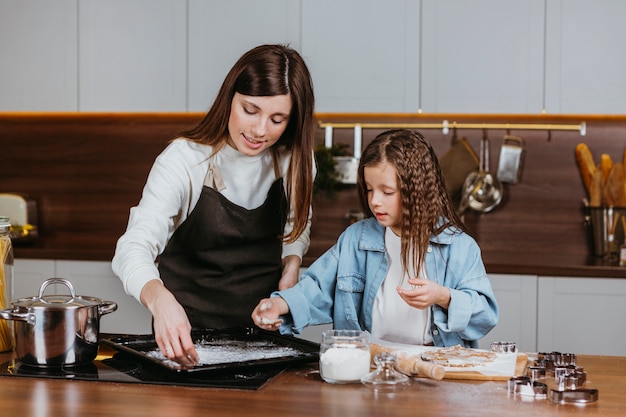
(517, 299)
(38, 55)
(221, 31)
(363, 54)
(96, 279)
(585, 60)
(482, 56)
(582, 315)
(132, 55)
(29, 274)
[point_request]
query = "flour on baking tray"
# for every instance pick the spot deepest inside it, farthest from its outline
(219, 351)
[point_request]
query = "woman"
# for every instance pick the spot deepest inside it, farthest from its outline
(409, 273)
(226, 207)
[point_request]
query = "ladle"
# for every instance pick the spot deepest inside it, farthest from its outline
(481, 191)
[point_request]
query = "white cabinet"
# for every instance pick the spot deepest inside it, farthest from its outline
(585, 59)
(517, 300)
(89, 278)
(482, 56)
(38, 57)
(454, 56)
(132, 55)
(582, 315)
(220, 32)
(363, 54)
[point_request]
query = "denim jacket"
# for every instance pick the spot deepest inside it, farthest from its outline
(341, 286)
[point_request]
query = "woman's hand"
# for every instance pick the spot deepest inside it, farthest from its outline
(291, 272)
(172, 330)
(425, 293)
(266, 314)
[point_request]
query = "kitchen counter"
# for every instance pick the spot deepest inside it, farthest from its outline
(300, 391)
(540, 263)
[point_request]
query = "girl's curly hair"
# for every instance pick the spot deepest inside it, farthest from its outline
(426, 206)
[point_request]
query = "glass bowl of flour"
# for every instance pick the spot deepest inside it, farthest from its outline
(344, 356)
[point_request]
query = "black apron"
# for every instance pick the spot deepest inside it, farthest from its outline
(224, 258)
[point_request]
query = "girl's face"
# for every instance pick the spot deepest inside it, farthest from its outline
(383, 195)
(256, 123)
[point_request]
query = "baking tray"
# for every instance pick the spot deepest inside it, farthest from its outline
(221, 349)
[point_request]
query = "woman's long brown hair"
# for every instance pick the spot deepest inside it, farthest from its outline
(270, 70)
(426, 206)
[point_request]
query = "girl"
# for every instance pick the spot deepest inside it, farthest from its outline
(408, 274)
(227, 206)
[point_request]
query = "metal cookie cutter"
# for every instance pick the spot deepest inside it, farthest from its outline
(572, 380)
(522, 385)
(504, 347)
(536, 372)
(579, 396)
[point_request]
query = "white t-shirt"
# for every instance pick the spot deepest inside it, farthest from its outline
(393, 319)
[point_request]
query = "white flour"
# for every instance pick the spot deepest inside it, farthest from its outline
(224, 351)
(344, 364)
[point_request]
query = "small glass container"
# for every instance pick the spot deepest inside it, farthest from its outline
(386, 377)
(6, 283)
(344, 356)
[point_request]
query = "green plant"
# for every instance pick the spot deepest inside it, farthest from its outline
(327, 178)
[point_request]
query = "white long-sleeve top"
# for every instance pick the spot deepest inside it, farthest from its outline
(171, 192)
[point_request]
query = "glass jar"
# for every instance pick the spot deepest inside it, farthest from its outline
(344, 356)
(6, 283)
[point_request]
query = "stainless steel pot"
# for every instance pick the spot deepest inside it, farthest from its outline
(57, 330)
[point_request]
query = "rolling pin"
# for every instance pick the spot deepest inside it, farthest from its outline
(411, 364)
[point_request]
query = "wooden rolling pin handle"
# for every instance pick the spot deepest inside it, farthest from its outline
(411, 364)
(429, 369)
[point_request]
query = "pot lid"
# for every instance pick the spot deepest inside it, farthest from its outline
(57, 301)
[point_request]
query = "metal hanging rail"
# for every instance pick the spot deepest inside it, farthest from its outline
(445, 126)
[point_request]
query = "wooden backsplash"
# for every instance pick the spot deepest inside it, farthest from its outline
(86, 170)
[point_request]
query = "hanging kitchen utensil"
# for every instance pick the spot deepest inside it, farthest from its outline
(457, 163)
(510, 162)
(482, 191)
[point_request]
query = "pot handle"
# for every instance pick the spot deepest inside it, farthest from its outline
(12, 315)
(51, 281)
(107, 307)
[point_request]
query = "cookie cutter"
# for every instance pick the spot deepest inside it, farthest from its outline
(578, 396)
(572, 380)
(552, 359)
(522, 385)
(503, 347)
(536, 372)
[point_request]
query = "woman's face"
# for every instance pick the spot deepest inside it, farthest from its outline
(383, 195)
(256, 123)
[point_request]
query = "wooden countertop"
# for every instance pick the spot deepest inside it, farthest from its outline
(300, 391)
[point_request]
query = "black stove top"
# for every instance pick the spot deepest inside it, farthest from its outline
(122, 367)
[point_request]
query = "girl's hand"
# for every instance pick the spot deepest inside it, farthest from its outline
(172, 330)
(267, 312)
(425, 293)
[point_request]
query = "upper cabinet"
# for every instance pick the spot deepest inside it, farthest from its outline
(404, 56)
(585, 60)
(38, 56)
(363, 54)
(482, 56)
(132, 55)
(220, 32)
